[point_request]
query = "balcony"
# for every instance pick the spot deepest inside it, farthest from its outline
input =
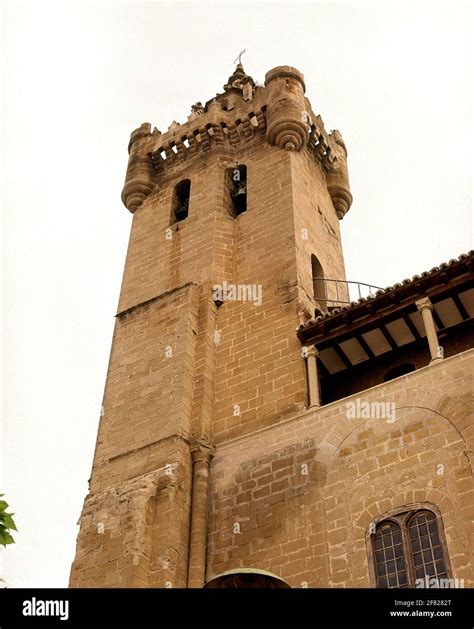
(359, 344)
(333, 293)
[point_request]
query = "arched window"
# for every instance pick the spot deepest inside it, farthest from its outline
(426, 547)
(181, 194)
(390, 560)
(407, 547)
(396, 372)
(319, 283)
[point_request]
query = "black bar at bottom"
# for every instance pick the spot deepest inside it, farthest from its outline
(349, 607)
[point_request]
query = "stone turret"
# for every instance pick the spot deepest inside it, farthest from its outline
(139, 181)
(287, 118)
(338, 178)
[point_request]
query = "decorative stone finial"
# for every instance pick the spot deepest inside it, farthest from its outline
(173, 126)
(196, 110)
(242, 82)
(197, 107)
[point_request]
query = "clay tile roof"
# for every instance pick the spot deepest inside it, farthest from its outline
(444, 266)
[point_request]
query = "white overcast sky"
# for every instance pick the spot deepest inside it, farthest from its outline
(394, 77)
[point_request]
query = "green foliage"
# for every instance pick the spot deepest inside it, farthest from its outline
(6, 524)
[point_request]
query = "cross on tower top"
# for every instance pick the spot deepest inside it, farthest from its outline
(238, 59)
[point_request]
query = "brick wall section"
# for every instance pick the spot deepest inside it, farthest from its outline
(159, 260)
(142, 434)
(148, 369)
(135, 533)
(259, 358)
(309, 528)
(314, 212)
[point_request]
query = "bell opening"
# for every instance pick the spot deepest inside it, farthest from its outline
(181, 200)
(238, 189)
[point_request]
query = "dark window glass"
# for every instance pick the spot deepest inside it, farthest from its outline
(390, 573)
(408, 547)
(423, 528)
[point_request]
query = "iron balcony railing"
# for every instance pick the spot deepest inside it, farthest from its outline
(341, 291)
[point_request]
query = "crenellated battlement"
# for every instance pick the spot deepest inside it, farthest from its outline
(278, 114)
(212, 131)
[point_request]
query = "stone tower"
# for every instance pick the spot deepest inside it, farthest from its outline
(261, 426)
(233, 213)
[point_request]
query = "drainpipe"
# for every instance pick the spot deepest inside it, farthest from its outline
(201, 453)
(426, 309)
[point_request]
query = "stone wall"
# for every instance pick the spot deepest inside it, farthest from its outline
(305, 491)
